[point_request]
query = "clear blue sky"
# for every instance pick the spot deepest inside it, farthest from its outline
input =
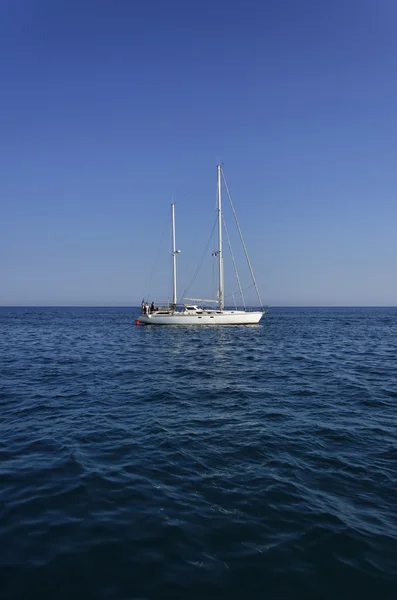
(111, 109)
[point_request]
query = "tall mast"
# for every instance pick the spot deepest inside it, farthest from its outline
(220, 251)
(174, 253)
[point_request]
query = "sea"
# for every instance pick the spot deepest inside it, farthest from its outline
(198, 463)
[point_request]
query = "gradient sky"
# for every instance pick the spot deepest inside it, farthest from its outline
(111, 109)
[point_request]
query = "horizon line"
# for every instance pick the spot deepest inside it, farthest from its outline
(250, 306)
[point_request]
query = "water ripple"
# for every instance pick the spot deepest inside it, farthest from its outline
(140, 462)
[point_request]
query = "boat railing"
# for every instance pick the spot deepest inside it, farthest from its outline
(263, 309)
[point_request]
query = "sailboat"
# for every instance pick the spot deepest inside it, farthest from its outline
(194, 313)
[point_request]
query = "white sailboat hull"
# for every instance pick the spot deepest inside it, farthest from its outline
(226, 317)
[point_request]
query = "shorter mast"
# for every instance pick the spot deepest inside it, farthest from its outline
(220, 251)
(174, 253)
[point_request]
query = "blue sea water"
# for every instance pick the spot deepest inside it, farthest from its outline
(235, 462)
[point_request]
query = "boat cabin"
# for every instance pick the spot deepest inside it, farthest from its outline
(193, 309)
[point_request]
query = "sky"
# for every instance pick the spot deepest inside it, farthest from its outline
(111, 110)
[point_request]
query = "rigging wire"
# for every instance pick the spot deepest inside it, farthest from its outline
(200, 263)
(213, 284)
(242, 241)
(238, 291)
(234, 263)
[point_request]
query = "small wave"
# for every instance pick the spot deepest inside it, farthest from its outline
(172, 464)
